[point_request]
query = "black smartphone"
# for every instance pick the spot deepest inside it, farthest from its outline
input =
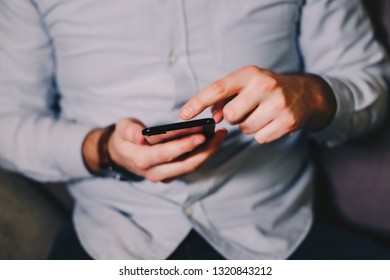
(163, 133)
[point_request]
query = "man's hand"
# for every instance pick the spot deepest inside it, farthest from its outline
(266, 104)
(160, 162)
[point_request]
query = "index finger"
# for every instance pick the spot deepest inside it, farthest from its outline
(214, 93)
(169, 151)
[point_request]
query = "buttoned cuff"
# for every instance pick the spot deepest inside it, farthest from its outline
(337, 130)
(67, 150)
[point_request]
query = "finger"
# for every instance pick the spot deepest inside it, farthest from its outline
(217, 109)
(158, 154)
(266, 112)
(165, 172)
(242, 105)
(178, 168)
(213, 94)
(275, 130)
(131, 130)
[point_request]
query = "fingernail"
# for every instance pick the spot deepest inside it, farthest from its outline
(186, 113)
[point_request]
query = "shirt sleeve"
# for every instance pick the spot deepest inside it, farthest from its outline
(337, 43)
(33, 140)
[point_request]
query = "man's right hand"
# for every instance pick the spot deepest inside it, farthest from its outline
(157, 163)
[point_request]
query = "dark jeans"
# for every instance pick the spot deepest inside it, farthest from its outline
(324, 242)
(67, 247)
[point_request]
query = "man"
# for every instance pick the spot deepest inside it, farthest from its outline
(272, 73)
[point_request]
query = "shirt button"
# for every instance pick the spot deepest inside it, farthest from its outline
(188, 211)
(172, 58)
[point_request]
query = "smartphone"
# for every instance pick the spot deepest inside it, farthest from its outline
(163, 133)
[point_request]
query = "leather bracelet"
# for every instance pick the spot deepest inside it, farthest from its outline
(104, 156)
(108, 168)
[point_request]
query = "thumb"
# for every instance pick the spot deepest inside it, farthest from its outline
(130, 130)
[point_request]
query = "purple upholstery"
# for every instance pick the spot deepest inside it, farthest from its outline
(60, 195)
(379, 11)
(359, 172)
(359, 177)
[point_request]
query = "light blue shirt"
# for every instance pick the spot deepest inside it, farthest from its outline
(111, 59)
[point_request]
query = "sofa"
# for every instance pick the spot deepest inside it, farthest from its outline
(355, 176)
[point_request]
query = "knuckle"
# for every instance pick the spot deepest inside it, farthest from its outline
(198, 101)
(141, 164)
(122, 123)
(165, 156)
(155, 178)
(290, 122)
(260, 139)
(269, 83)
(280, 103)
(187, 146)
(251, 70)
(229, 113)
(125, 124)
(190, 167)
(218, 87)
(120, 128)
(245, 128)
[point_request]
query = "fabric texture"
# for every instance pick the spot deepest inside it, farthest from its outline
(107, 60)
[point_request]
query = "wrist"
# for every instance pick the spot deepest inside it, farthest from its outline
(90, 151)
(323, 103)
(97, 156)
(96, 153)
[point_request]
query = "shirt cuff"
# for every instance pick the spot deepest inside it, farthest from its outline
(67, 150)
(337, 130)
